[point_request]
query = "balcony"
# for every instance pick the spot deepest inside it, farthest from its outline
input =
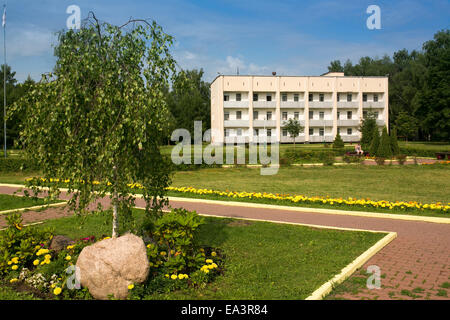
(321, 104)
(264, 104)
(348, 104)
(350, 138)
(325, 138)
(235, 104)
(373, 105)
(302, 122)
(291, 139)
(292, 104)
(320, 123)
(348, 123)
(235, 123)
(264, 123)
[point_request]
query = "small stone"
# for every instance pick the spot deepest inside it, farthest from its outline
(59, 243)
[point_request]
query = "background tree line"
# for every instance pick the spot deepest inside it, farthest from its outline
(419, 87)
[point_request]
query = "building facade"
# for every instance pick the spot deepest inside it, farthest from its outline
(244, 108)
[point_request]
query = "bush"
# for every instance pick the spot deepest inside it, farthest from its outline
(338, 142)
(16, 164)
(375, 142)
(327, 158)
(384, 148)
(285, 161)
(352, 159)
(394, 143)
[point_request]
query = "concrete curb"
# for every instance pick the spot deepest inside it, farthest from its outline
(317, 210)
(328, 286)
(33, 208)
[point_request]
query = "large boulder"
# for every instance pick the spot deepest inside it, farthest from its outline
(109, 266)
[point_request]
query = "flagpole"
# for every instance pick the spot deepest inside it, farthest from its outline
(4, 76)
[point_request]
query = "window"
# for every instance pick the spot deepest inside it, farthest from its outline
(310, 97)
(321, 115)
(321, 132)
(268, 97)
(349, 115)
(255, 97)
(269, 115)
(238, 115)
(284, 115)
(285, 133)
(339, 130)
(295, 97)
(238, 97)
(376, 114)
(296, 115)
(239, 132)
(364, 97)
(321, 97)
(255, 115)
(226, 97)
(269, 132)
(256, 132)
(337, 97)
(227, 116)
(349, 97)
(349, 131)
(311, 131)
(227, 133)
(364, 114)
(311, 114)
(338, 115)
(375, 98)
(284, 97)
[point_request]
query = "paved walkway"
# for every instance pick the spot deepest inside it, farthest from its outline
(414, 266)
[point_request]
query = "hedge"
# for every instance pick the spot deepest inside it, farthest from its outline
(15, 164)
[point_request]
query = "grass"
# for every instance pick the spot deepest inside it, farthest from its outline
(8, 202)
(263, 260)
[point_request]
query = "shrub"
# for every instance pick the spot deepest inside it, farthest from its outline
(285, 161)
(327, 158)
(384, 148)
(338, 142)
(16, 164)
(18, 244)
(394, 143)
(375, 142)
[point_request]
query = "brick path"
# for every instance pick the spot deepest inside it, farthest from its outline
(413, 266)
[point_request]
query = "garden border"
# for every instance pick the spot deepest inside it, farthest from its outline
(34, 207)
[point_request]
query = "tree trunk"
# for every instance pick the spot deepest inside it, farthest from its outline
(115, 232)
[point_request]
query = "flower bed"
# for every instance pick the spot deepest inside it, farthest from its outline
(175, 261)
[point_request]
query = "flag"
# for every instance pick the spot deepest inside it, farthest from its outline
(4, 17)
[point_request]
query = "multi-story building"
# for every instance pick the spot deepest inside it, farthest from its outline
(246, 107)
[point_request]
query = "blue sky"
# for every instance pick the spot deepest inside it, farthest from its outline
(289, 37)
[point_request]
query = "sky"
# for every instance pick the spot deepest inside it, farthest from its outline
(258, 37)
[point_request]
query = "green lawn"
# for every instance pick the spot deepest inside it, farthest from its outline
(8, 202)
(263, 260)
(393, 183)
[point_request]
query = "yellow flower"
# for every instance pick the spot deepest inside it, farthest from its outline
(166, 275)
(47, 257)
(209, 261)
(180, 276)
(130, 287)
(53, 285)
(9, 263)
(173, 277)
(42, 251)
(13, 280)
(36, 262)
(213, 253)
(149, 245)
(163, 253)
(70, 247)
(205, 270)
(57, 291)
(15, 260)
(14, 267)
(68, 258)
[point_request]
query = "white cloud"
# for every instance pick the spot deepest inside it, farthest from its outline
(29, 42)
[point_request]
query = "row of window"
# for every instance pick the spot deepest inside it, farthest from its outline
(226, 97)
(285, 133)
(284, 115)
